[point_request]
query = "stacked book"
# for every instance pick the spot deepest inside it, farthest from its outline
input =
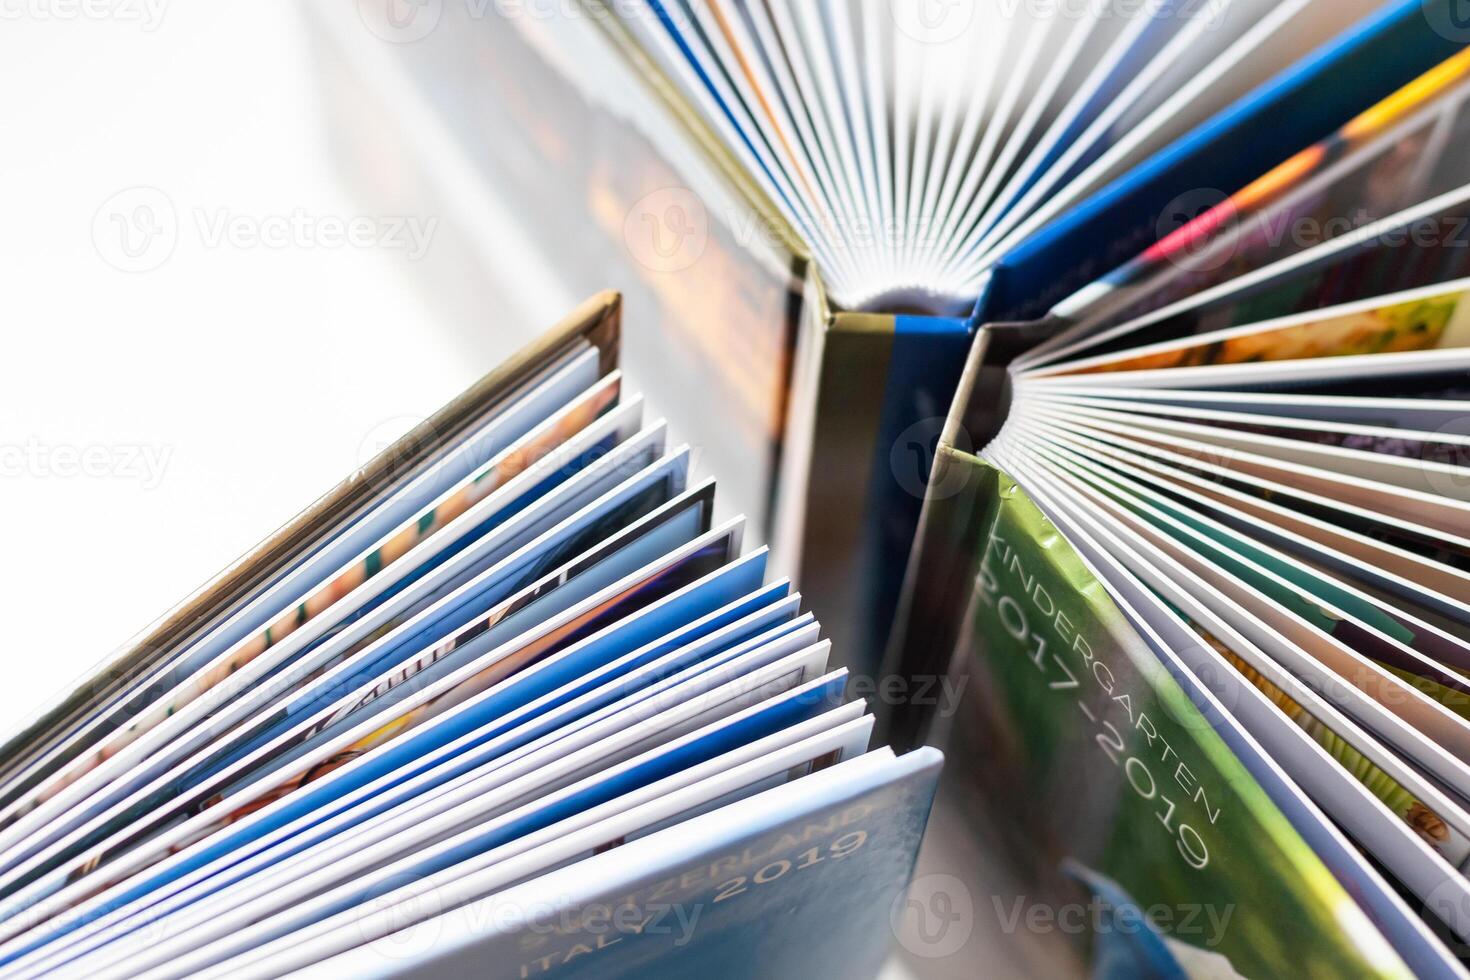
(509, 695)
(1100, 372)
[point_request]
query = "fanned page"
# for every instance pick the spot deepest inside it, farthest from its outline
(1395, 175)
(535, 647)
(1399, 153)
(912, 145)
(1283, 503)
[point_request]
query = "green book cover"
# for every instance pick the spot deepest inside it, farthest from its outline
(1114, 821)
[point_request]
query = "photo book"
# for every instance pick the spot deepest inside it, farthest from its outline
(510, 695)
(1109, 365)
(1088, 590)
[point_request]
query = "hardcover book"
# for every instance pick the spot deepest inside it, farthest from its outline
(820, 205)
(415, 730)
(1097, 372)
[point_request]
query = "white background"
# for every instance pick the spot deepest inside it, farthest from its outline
(156, 424)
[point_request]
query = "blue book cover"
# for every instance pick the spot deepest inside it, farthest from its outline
(798, 881)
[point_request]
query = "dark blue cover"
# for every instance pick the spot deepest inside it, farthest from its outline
(924, 368)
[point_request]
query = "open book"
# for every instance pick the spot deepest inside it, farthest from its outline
(946, 165)
(1200, 522)
(818, 205)
(1174, 288)
(1203, 547)
(509, 695)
